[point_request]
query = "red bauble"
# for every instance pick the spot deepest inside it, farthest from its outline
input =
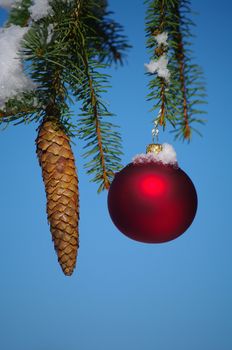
(152, 202)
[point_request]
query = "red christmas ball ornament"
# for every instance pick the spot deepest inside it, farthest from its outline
(152, 200)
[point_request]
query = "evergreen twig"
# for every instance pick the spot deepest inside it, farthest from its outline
(68, 65)
(177, 101)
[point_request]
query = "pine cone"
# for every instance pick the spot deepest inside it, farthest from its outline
(61, 184)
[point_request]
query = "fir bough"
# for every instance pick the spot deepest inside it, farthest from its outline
(66, 55)
(177, 101)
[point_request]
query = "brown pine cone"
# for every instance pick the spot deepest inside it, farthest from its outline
(61, 184)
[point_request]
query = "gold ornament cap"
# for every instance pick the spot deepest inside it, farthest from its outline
(155, 148)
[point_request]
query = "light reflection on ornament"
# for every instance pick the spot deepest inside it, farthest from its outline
(153, 186)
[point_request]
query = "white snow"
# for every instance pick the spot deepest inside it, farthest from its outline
(40, 9)
(166, 156)
(162, 39)
(160, 67)
(12, 77)
(7, 3)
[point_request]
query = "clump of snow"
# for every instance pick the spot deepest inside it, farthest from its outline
(162, 39)
(166, 156)
(12, 77)
(40, 9)
(7, 3)
(159, 66)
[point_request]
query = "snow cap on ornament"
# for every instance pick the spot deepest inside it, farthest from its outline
(157, 153)
(152, 200)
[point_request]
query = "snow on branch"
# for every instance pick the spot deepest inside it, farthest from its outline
(7, 4)
(12, 78)
(160, 66)
(40, 9)
(162, 39)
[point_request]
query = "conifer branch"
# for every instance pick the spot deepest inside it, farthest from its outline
(192, 90)
(159, 52)
(96, 120)
(102, 142)
(65, 53)
(176, 102)
(181, 62)
(162, 92)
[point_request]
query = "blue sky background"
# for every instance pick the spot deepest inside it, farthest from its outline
(125, 295)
